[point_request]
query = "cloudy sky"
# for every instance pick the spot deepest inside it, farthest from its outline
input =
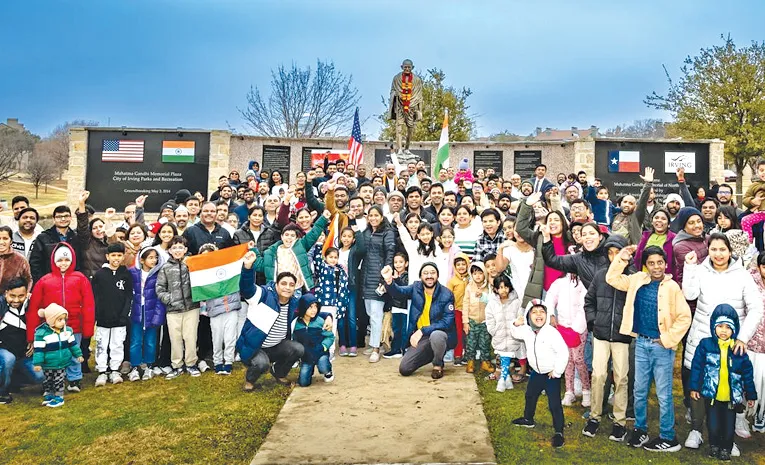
(161, 63)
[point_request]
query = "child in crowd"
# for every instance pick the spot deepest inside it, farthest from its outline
(503, 309)
(474, 307)
(490, 264)
(448, 252)
(724, 378)
(548, 361)
(72, 290)
(757, 185)
(399, 307)
(55, 349)
(457, 285)
(147, 314)
(565, 299)
(603, 210)
(332, 286)
(223, 314)
(421, 250)
(316, 341)
(174, 291)
(350, 245)
(113, 294)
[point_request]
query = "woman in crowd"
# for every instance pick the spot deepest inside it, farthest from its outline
(660, 236)
(12, 264)
(467, 230)
(729, 224)
(162, 240)
(277, 184)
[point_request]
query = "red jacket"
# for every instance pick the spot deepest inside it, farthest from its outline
(71, 290)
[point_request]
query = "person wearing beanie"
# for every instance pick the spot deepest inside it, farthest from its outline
(317, 341)
(181, 218)
(71, 289)
(722, 379)
(473, 308)
(689, 237)
(181, 196)
(547, 360)
(167, 210)
(55, 349)
(113, 294)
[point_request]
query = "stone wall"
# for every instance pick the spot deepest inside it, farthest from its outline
(78, 164)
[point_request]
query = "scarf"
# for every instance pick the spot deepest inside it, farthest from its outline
(406, 90)
(723, 388)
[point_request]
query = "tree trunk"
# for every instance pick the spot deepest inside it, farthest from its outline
(37, 191)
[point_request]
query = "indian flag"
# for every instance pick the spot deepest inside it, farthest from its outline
(442, 156)
(215, 274)
(177, 151)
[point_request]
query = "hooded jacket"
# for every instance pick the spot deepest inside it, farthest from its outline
(379, 248)
(734, 287)
(682, 244)
(458, 283)
(546, 350)
(525, 227)
(71, 290)
(705, 367)
(474, 306)
(315, 340)
(565, 299)
(174, 287)
(149, 311)
(583, 264)
(441, 310)
(54, 350)
(332, 285)
(113, 294)
(13, 265)
(42, 249)
(499, 322)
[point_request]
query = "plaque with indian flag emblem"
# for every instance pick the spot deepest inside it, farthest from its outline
(178, 151)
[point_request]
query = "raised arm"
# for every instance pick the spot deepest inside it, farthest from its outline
(312, 236)
(525, 223)
(615, 275)
(311, 200)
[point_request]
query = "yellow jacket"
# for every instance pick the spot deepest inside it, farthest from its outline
(674, 313)
(476, 297)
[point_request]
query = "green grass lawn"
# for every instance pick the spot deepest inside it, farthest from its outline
(514, 444)
(182, 421)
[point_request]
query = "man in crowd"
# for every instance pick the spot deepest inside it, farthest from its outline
(222, 181)
(26, 233)
(725, 197)
(42, 247)
(414, 205)
(19, 203)
(181, 219)
(391, 180)
(436, 199)
(492, 236)
(539, 181)
(207, 231)
(242, 211)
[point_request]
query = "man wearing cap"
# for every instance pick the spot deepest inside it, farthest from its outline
(167, 211)
(181, 219)
(431, 331)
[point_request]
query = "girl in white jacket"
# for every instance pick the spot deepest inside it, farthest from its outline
(547, 356)
(420, 250)
(503, 309)
(565, 299)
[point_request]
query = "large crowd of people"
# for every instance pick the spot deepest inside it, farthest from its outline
(548, 282)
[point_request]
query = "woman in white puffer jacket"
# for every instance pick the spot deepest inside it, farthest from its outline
(720, 278)
(503, 309)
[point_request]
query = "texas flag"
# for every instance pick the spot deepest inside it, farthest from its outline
(623, 161)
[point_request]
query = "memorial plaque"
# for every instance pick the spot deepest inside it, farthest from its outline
(382, 157)
(485, 159)
(277, 157)
(525, 161)
(306, 159)
(125, 164)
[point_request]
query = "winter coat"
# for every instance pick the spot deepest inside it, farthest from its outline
(332, 286)
(682, 244)
(92, 251)
(225, 304)
(604, 308)
(54, 350)
(416, 259)
(152, 312)
(316, 341)
(546, 350)
(14, 265)
(174, 287)
(499, 322)
(674, 315)
(113, 295)
(71, 290)
(583, 264)
(379, 247)
(474, 306)
(398, 302)
(566, 300)
(734, 287)
(757, 342)
(525, 227)
(355, 258)
(266, 262)
(458, 283)
(42, 250)
(441, 310)
(705, 366)
(13, 329)
(602, 210)
(667, 247)
(197, 235)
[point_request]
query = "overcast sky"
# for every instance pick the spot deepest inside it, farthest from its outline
(159, 63)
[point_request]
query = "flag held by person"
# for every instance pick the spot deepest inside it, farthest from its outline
(216, 274)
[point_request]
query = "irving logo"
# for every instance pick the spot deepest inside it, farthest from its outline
(675, 160)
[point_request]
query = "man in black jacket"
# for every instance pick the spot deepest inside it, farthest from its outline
(42, 247)
(207, 231)
(603, 306)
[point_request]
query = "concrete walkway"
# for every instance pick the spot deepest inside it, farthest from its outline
(371, 414)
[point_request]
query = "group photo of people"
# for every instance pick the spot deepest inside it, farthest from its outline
(548, 284)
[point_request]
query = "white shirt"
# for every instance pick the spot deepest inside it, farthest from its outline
(520, 267)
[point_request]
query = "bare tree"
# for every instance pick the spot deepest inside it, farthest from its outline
(14, 144)
(641, 128)
(41, 168)
(303, 102)
(58, 148)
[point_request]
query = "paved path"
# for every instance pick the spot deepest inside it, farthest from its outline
(371, 414)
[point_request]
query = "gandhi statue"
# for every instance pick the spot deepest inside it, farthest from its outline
(405, 104)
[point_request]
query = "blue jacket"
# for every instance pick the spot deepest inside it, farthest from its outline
(603, 211)
(152, 315)
(441, 309)
(315, 340)
(705, 368)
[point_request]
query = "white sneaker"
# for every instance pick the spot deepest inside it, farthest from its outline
(509, 383)
(134, 375)
(167, 370)
(577, 386)
(734, 452)
(501, 385)
(237, 358)
(694, 440)
(374, 357)
(203, 366)
(116, 377)
(742, 426)
(148, 374)
(329, 377)
(101, 380)
(585, 398)
(568, 399)
(368, 351)
(157, 371)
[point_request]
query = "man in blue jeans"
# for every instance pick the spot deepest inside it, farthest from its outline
(657, 315)
(15, 354)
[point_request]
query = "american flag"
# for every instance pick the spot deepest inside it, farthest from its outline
(354, 144)
(125, 151)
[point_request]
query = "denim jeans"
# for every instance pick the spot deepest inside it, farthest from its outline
(399, 323)
(375, 311)
(143, 345)
(654, 363)
(346, 326)
(8, 363)
(74, 370)
(306, 370)
(588, 352)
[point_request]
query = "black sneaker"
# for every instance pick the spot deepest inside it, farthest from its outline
(724, 455)
(638, 438)
(524, 422)
(5, 399)
(662, 445)
(74, 386)
(392, 354)
(618, 433)
(557, 440)
(591, 428)
(714, 452)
